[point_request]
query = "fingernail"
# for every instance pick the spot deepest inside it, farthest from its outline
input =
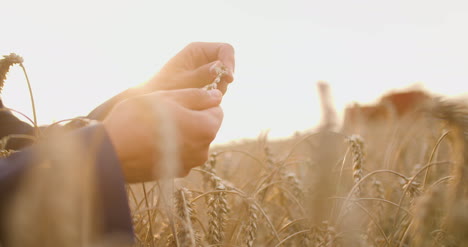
(215, 93)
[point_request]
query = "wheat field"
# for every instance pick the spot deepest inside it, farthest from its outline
(387, 180)
(397, 181)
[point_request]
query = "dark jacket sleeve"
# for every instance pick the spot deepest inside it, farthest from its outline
(115, 212)
(9, 124)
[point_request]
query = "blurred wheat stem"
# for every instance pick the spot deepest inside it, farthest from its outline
(405, 234)
(342, 167)
(371, 217)
(310, 136)
(374, 199)
(444, 179)
(291, 223)
(291, 236)
(36, 127)
(167, 135)
(275, 171)
(351, 192)
(293, 197)
(242, 152)
(20, 113)
(84, 119)
(288, 225)
(150, 221)
(348, 198)
(436, 147)
(158, 209)
(411, 180)
(138, 204)
(333, 209)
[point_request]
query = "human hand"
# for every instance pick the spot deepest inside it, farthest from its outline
(194, 67)
(141, 133)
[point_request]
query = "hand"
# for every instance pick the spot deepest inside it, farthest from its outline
(149, 128)
(193, 67)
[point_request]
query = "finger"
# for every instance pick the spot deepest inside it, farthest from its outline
(213, 118)
(208, 123)
(205, 75)
(197, 78)
(216, 114)
(222, 86)
(194, 98)
(223, 52)
(197, 157)
(205, 125)
(226, 56)
(202, 75)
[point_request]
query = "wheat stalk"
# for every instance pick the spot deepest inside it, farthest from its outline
(378, 208)
(5, 64)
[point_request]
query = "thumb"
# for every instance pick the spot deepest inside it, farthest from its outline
(195, 98)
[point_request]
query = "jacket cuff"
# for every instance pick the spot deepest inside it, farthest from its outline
(115, 220)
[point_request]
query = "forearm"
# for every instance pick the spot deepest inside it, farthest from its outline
(113, 206)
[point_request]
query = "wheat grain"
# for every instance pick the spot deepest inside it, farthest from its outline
(251, 226)
(220, 71)
(217, 212)
(210, 172)
(5, 64)
(357, 149)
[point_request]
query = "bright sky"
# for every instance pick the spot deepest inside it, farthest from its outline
(79, 53)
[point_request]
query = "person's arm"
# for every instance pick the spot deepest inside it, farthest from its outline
(110, 182)
(132, 141)
(94, 145)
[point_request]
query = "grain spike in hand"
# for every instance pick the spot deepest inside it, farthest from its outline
(220, 71)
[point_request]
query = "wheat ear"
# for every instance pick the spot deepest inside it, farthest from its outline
(357, 148)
